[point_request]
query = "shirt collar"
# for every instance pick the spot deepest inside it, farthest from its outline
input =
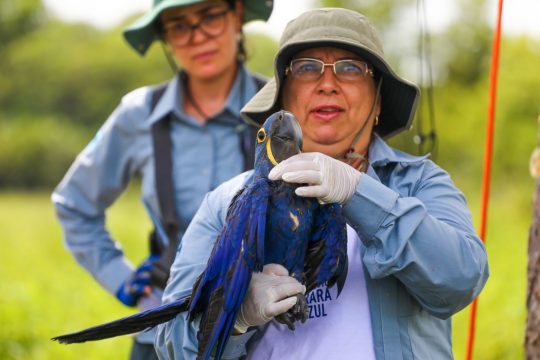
(172, 99)
(381, 154)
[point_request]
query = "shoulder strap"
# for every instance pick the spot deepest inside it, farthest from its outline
(163, 165)
(248, 138)
(162, 144)
(157, 93)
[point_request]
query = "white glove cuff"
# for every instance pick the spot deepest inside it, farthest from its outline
(240, 325)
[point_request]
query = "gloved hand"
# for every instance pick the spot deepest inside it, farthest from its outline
(328, 179)
(137, 285)
(271, 292)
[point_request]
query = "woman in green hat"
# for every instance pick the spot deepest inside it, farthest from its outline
(183, 139)
(414, 258)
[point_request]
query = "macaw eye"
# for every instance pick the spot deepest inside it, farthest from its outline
(261, 135)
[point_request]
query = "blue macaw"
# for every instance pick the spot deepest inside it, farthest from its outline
(266, 223)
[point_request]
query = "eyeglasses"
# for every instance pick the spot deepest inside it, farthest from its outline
(307, 69)
(179, 32)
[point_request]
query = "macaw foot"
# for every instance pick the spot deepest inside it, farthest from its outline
(299, 312)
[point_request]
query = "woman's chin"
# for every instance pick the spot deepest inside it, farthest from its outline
(327, 138)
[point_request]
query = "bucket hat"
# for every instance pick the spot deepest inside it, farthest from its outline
(142, 32)
(351, 31)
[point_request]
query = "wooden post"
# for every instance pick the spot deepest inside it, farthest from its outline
(532, 332)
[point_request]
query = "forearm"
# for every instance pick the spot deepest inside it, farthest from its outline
(429, 245)
(91, 245)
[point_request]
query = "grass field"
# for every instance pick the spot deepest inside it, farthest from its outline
(45, 293)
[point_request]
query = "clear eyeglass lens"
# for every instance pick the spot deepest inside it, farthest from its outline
(312, 69)
(211, 24)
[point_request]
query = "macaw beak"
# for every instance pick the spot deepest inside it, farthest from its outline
(285, 138)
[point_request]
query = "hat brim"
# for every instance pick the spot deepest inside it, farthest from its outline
(141, 33)
(399, 97)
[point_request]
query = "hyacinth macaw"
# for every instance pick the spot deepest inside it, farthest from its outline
(266, 223)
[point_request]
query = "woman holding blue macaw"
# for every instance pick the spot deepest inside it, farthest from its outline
(196, 113)
(414, 259)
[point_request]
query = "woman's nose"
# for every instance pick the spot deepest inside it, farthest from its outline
(328, 81)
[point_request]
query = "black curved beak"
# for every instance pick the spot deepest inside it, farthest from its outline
(285, 136)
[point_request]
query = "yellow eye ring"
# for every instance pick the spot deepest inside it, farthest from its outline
(261, 135)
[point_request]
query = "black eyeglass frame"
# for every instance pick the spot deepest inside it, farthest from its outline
(164, 28)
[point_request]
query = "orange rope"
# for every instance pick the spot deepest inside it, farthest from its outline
(487, 161)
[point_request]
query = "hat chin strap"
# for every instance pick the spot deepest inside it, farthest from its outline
(354, 156)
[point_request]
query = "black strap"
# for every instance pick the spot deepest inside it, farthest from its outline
(161, 137)
(165, 193)
(249, 135)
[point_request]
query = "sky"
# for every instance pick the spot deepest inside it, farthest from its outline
(519, 16)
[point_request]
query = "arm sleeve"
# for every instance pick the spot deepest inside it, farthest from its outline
(425, 239)
(177, 338)
(95, 180)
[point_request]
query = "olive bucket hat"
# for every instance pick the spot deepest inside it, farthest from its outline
(351, 31)
(143, 31)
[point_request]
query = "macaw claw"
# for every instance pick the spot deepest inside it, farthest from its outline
(299, 312)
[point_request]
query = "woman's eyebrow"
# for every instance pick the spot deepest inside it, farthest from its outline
(201, 11)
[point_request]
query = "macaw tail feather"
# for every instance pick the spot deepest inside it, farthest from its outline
(127, 325)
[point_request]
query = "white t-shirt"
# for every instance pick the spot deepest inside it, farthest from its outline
(337, 328)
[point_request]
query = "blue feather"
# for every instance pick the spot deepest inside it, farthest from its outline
(266, 223)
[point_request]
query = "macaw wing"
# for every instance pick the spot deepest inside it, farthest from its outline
(326, 259)
(238, 252)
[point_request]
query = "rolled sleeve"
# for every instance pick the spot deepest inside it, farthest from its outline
(96, 179)
(418, 229)
(374, 201)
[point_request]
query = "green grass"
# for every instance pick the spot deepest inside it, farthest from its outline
(45, 293)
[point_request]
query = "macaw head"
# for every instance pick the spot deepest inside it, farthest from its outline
(279, 138)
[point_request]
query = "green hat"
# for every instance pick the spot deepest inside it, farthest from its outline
(349, 30)
(142, 32)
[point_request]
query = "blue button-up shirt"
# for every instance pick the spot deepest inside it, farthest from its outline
(422, 259)
(204, 156)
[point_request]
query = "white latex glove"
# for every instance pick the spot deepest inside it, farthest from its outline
(271, 292)
(328, 179)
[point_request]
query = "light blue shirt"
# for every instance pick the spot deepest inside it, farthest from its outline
(423, 260)
(204, 156)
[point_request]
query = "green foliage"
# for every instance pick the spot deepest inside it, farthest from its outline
(45, 293)
(464, 48)
(36, 151)
(18, 18)
(74, 72)
(261, 50)
(382, 13)
(63, 83)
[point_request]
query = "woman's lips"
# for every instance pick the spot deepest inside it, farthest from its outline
(204, 55)
(326, 112)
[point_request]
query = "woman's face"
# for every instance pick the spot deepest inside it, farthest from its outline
(209, 49)
(331, 111)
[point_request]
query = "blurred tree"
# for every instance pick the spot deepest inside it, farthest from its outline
(63, 82)
(261, 50)
(18, 18)
(382, 13)
(464, 48)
